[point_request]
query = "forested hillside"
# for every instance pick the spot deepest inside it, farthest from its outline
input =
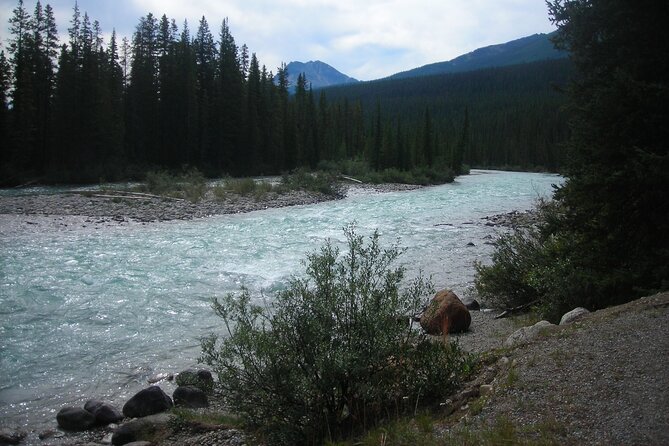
(534, 48)
(513, 115)
(89, 110)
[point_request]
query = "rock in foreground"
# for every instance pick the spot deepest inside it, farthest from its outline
(190, 397)
(573, 315)
(149, 401)
(141, 429)
(75, 419)
(527, 334)
(200, 378)
(445, 314)
(104, 413)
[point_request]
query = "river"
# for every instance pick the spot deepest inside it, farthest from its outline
(89, 313)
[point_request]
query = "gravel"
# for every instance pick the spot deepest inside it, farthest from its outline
(601, 380)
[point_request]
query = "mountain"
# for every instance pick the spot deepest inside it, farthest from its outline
(527, 49)
(319, 74)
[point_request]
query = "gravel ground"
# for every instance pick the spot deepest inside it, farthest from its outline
(602, 380)
(100, 209)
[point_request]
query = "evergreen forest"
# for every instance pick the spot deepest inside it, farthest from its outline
(89, 110)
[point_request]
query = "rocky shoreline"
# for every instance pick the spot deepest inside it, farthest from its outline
(101, 208)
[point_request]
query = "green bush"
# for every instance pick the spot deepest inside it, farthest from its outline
(189, 184)
(334, 352)
(300, 179)
(548, 265)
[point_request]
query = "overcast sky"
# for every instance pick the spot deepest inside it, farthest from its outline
(365, 39)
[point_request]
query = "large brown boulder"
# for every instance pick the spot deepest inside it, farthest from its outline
(445, 314)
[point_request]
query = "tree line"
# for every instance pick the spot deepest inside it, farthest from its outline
(514, 114)
(87, 110)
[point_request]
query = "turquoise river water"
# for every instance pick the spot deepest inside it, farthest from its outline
(94, 313)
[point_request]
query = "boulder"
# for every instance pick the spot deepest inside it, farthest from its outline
(190, 397)
(445, 314)
(149, 401)
(9, 436)
(199, 378)
(573, 315)
(527, 334)
(471, 304)
(104, 413)
(75, 419)
(141, 429)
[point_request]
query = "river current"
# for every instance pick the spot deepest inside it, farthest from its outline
(88, 313)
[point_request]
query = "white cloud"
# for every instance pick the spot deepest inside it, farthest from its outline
(366, 39)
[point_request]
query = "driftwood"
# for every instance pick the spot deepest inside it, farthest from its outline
(127, 195)
(510, 311)
(355, 180)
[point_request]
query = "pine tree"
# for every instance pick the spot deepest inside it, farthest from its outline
(22, 139)
(618, 169)
(205, 58)
(5, 76)
(141, 119)
(461, 148)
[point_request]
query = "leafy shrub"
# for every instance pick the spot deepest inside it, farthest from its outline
(190, 184)
(334, 352)
(300, 179)
(548, 265)
(242, 186)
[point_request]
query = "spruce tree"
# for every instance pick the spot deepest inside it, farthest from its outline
(618, 169)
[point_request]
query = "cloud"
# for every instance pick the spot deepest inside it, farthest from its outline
(364, 39)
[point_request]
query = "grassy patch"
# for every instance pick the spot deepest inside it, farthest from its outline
(505, 432)
(186, 418)
(189, 184)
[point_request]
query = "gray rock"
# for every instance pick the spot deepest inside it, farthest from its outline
(139, 443)
(10, 436)
(149, 401)
(75, 419)
(190, 397)
(49, 433)
(104, 413)
(471, 304)
(573, 315)
(527, 334)
(199, 378)
(141, 429)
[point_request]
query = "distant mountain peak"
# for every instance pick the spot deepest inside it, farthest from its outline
(318, 73)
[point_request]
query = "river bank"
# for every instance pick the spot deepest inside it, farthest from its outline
(600, 380)
(104, 208)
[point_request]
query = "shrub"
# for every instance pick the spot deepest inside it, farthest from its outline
(300, 179)
(189, 184)
(242, 186)
(334, 352)
(547, 264)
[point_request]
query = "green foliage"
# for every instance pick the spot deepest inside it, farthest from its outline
(603, 241)
(247, 186)
(333, 353)
(190, 184)
(301, 179)
(360, 170)
(619, 157)
(185, 418)
(542, 264)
